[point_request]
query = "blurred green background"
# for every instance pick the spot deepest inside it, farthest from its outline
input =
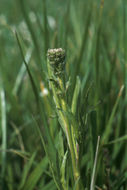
(94, 35)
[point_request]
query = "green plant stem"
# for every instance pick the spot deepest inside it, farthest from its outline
(61, 103)
(69, 132)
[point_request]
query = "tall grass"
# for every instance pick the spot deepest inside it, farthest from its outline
(64, 132)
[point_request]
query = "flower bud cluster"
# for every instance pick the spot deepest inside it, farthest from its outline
(56, 59)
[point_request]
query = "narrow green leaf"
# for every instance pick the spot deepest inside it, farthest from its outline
(60, 145)
(92, 185)
(108, 129)
(120, 139)
(76, 95)
(28, 70)
(51, 155)
(46, 33)
(18, 152)
(93, 131)
(50, 185)
(35, 175)
(10, 177)
(76, 184)
(26, 170)
(63, 169)
(75, 23)
(21, 72)
(31, 30)
(4, 130)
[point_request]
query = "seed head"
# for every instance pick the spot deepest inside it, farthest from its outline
(56, 59)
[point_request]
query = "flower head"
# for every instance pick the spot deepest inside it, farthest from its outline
(56, 59)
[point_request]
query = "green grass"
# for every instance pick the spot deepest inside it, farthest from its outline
(90, 100)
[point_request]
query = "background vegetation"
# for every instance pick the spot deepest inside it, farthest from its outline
(94, 35)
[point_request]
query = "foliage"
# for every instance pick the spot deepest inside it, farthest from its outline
(87, 98)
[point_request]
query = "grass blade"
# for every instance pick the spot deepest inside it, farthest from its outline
(28, 70)
(76, 95)
(94, 167)
(51, 155)
(21, 72)
(120, 139)
(33, 36)
(35, 175)
(26, 171)
(4, 130)
(108, 129)
(50, 185)
(46, 34)
(63, 169)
